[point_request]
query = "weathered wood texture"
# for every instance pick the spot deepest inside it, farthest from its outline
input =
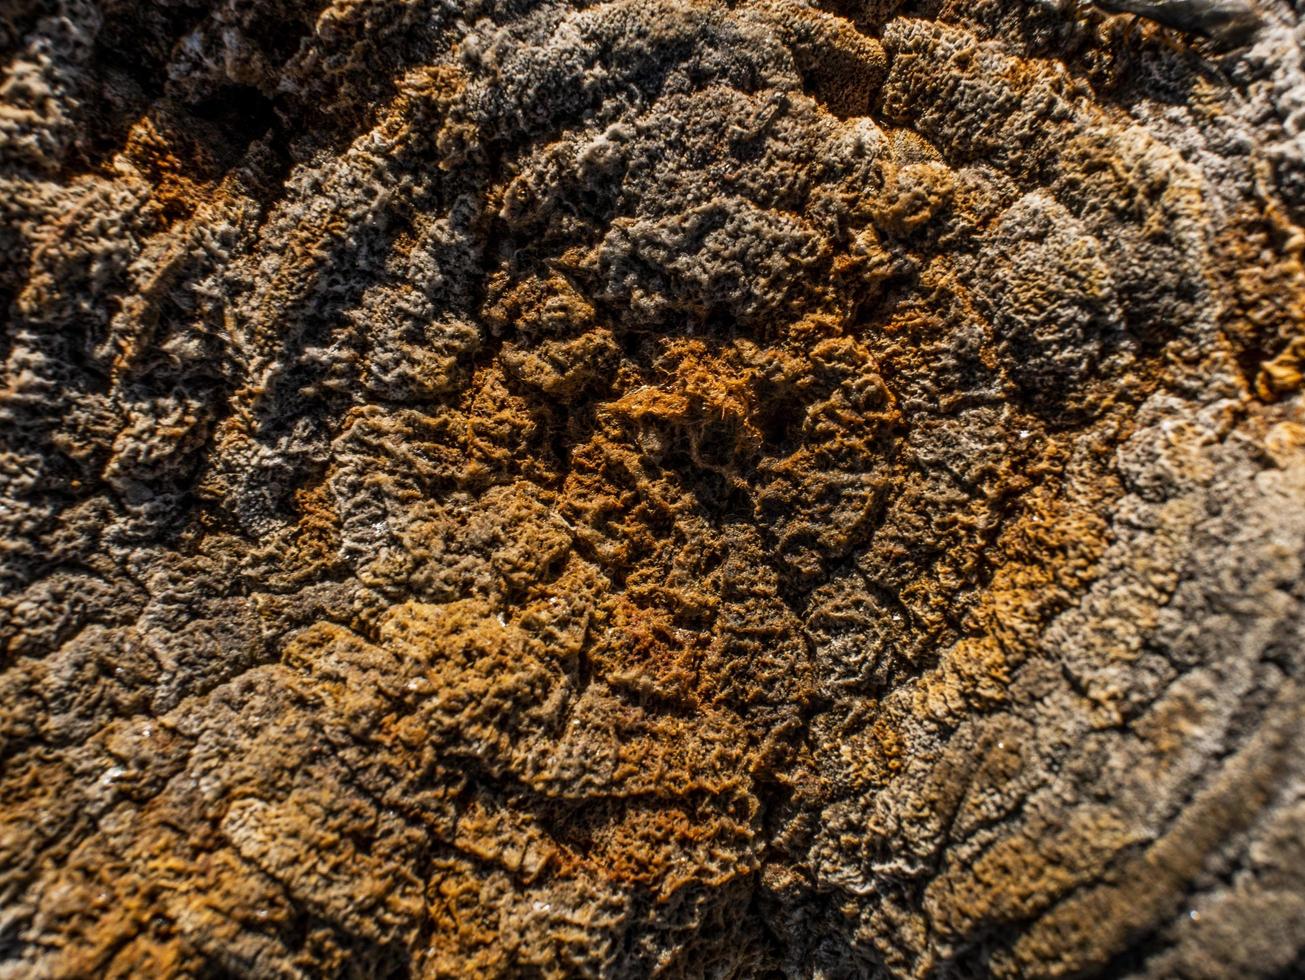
(508, 488)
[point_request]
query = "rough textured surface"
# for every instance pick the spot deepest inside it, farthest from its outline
(508, 488)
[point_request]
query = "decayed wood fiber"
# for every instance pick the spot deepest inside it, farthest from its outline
(657, 487)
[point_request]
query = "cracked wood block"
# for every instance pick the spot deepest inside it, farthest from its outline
(806, 488)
